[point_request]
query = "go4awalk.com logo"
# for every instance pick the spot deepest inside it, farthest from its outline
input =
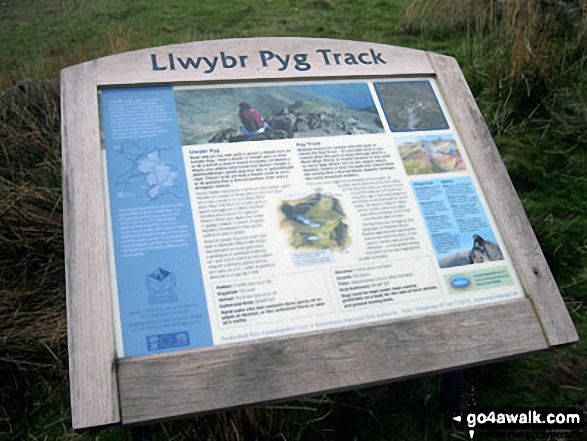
(522, 422)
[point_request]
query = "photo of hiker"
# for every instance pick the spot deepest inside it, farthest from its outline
(410, 106)
(236, 114)
(424, 154)
(252, 120)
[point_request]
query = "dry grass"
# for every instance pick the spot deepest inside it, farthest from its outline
(32, 300)
(522, 57)
(119, 40)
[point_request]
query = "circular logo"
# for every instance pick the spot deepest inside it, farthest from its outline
(460, 282)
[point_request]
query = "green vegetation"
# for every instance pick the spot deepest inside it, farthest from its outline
(37, 39)
(525, 62)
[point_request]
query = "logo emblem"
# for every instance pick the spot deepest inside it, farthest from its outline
(460, 282)
(161, 286)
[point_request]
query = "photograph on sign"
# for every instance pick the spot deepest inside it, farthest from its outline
(430, 154)
(410, 106)
(233, 114)
(245, 211)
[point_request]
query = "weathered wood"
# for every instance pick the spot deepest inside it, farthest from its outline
(505, 205)
(138, 69)
(180, 383)
(175, 384)
(91, 341)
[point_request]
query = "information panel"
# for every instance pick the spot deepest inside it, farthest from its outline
(244, 211)
(252, 220)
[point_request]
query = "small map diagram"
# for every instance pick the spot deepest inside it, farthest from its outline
(155, 176)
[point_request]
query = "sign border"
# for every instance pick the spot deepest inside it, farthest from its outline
(106, 390)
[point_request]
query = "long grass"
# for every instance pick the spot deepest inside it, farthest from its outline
(524, 59)
(32, 313)
(525, 62)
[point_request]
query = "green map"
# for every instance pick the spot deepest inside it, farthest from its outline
(315, 222)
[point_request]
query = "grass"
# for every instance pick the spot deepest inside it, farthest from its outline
(525, 62)
(39, 41)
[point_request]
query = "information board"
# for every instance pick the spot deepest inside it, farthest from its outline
(348, 202)
(252, 220)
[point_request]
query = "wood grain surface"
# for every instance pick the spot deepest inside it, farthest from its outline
(182, 383)
(505, 205)
(90, 329)
(105, 390)
(136, 67)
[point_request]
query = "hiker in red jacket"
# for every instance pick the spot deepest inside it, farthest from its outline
(252, 120)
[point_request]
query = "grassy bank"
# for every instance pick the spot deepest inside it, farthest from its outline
(525, 62)
(37, 39)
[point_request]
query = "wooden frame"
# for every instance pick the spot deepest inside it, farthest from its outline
(105, 390)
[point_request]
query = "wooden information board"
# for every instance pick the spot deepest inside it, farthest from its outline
(258, 219)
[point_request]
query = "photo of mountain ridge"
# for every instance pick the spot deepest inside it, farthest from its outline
(211, 115)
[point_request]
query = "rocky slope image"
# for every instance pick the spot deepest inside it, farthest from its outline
(430, 155)
(293, 111)
(411, 106)
(482, 251)
(315, 222)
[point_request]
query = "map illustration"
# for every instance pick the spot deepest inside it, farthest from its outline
(315, 222)
(155, 176)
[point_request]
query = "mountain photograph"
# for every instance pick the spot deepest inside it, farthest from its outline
(430, 154)
(213, 115)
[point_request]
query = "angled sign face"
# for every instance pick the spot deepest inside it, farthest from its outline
(343, 202)
(316, 213)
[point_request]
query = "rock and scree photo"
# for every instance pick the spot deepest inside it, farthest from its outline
(410, 106)
(275, 112)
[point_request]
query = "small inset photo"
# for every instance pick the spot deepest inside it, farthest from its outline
(478, 249)
(430, 154)
(410, 106)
